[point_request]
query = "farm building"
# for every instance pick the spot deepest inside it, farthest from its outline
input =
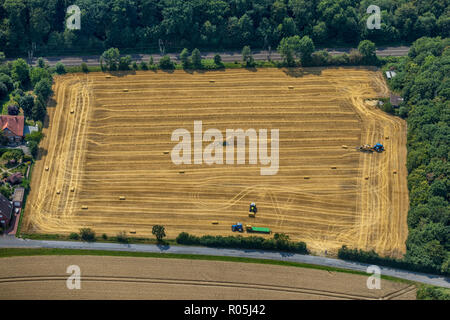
(390, 74)
(15, 178)
(395, 100)
(6, 209)
(18, 197)
(13, 127)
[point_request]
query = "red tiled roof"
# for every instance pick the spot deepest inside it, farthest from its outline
(14, 124)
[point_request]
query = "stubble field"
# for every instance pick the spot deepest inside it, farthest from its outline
(122, 278)
(117, 143)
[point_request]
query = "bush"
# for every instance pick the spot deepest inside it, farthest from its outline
(104, 236)
(159, 231)
(251, 242)
(218, 60)
(3, 90)
(38, 74)
(60, 68)
(74, 236)
(87, 234)
(166, 64)
(5, 79)
(27, 158)
(426, 292)
(320, 58)
(34, 136)
(122, 237)
(43, 88)
(387, 107)
(41, 62)
(143, 66)
(403, 112)
(196, 59)
(33, 146)
(6, 191)
(84, 68)
(124, 63)
(13, 110)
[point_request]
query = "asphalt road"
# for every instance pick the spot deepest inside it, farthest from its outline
(228, 56)
(11, 242)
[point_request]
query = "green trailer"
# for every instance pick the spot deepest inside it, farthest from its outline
(257, 229)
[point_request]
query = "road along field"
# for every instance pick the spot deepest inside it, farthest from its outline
(109, 136)
(44, 277)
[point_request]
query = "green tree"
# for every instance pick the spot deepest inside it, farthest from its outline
(60, 68)
(7, 81)
(122, 237)
(3, 90)
(39, 110)
(368, 50)
(26, 103)
(34, 136)
(184, 57)
(305, 49)
(37, 74)
(111, 58)
(159, 231)
(84, 67)
(43, 89)
(33, 147)
(41, 63)
(20, 72)
(218, 60)
(288, 48)
(247, 57)
(3, 139)
(124, 63)
(196, 59)
(166, 64)
(87, 234)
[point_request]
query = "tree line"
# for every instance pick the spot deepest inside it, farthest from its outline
(211, 24)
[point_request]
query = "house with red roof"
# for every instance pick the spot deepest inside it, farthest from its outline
(12, 126)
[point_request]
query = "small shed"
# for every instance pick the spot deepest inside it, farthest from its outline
(390, 74)
(18, 197)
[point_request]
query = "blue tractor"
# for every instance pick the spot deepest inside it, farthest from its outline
(378, 147)
(237, 227)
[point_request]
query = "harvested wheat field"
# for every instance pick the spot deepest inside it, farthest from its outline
(44, 277)
(106, 158)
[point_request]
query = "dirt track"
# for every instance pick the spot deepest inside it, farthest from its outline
(117, 143)
(152, 278)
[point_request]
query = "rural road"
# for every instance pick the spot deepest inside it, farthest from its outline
(11, 242)
(228, 56)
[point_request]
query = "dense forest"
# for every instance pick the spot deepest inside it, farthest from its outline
(423, 80)
(425, 85)
(210, 24)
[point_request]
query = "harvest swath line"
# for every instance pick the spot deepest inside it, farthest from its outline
(116, 143)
